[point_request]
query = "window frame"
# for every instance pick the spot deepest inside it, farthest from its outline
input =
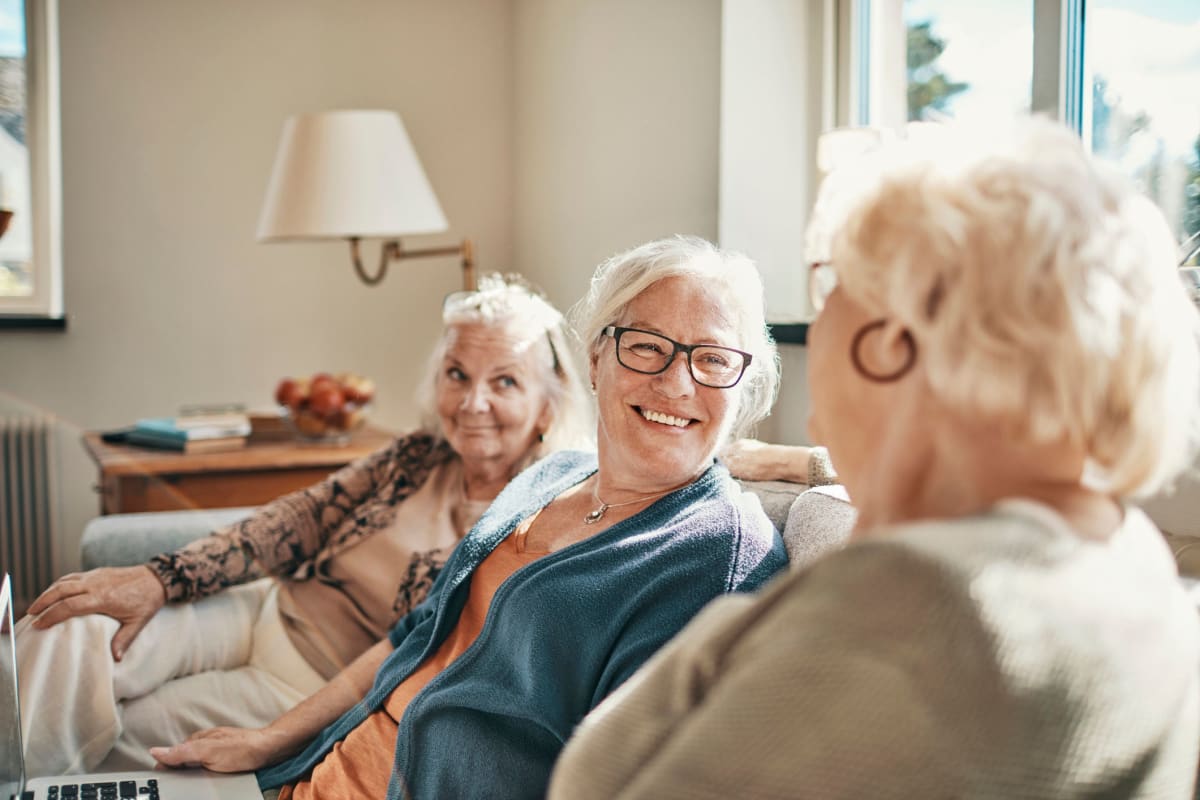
(44, 141)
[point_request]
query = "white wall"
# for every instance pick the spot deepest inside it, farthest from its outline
(774, 103)
(773, 108)
(617, 107)
(171, 113)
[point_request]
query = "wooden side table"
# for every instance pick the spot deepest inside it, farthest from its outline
(141, 479)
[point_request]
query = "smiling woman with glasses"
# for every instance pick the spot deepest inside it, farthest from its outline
(582, 567)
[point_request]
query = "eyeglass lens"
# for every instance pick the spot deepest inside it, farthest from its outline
(711, 365)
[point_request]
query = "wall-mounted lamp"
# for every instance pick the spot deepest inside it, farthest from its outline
(354, 175)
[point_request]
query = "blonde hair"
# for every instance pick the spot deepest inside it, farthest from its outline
(619, 280)
(511, 300)
(1041, 288)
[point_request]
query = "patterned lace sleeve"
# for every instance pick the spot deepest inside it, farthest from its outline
(284, 536)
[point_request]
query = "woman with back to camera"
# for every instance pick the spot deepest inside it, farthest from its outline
(1006, 360)
(582, 567)
(349, 556)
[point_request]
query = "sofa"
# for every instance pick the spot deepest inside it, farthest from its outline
(812, 521)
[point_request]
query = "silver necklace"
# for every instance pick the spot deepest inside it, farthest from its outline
(596, 514)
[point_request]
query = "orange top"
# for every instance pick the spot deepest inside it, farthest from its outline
(361, 764)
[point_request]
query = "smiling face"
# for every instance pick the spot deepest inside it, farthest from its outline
(491, 397)
(659, 431)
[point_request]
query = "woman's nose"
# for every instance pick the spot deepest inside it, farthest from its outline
(476, 399)
(676, 379)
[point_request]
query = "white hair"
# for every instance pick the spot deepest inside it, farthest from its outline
(618, 281)
(511, 301)
(1040, 286)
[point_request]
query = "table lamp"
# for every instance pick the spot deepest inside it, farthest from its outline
(354, 175)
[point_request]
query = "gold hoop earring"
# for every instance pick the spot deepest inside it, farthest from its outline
(888, 377)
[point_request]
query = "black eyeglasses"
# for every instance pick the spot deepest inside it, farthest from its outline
(651, 353)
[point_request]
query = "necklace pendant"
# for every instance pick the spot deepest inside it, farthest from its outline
(594, 516)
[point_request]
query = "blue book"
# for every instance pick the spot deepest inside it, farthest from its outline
(149, 439)
(171, 429)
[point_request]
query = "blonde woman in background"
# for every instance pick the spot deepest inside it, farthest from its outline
(118, 659)
(1005, 360)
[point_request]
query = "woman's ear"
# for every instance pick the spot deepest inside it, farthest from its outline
(883, 351)
(545, 418)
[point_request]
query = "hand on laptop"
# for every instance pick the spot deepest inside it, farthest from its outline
(130, 595)
(221, 750)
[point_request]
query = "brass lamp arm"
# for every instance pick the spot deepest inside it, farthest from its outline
(394, 249)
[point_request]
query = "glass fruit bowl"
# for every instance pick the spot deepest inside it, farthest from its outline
(325, 408)
(333, 429)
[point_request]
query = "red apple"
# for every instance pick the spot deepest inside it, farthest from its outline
(326, 400)
(299, 398)
(322, 379)
(284, 392)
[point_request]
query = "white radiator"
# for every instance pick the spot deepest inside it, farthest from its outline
(27, 504)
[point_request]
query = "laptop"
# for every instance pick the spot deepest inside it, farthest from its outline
(188, 784)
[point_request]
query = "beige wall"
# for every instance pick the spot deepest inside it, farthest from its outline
(170, 115)
(617, 107)
(773, 107)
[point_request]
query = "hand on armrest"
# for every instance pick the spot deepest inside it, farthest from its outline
(752, 460)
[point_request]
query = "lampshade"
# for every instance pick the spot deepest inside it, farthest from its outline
(342, 174)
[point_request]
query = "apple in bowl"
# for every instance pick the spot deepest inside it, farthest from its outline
(324, 407)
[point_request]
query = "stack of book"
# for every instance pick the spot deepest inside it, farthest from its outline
(196, 433)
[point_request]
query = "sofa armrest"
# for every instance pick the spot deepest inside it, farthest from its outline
(776, 498)
(819, 520)
(120, 540)
(813, 521)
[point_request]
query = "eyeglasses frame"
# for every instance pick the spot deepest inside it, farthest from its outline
(615, 331)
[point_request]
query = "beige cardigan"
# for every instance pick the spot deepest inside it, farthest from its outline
(993, 657)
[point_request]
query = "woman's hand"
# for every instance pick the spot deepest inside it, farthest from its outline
(223, 750)
(130, 595)
(752, 460)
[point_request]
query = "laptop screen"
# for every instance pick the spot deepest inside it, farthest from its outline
(12, 764)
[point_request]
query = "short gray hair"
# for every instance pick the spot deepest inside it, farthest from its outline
(618, 281)
(1042, 288)
(512, 300)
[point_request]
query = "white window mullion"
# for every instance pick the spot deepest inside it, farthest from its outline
(1058, 61)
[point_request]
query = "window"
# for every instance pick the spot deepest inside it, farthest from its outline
(30, 249)
(793, 68)
(1123, 72)
(1141, 103)
(968, 59)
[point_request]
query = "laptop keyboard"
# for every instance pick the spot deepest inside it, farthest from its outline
(107, 790)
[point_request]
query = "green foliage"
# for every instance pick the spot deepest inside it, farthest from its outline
(928, 87)
(1191, 193)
